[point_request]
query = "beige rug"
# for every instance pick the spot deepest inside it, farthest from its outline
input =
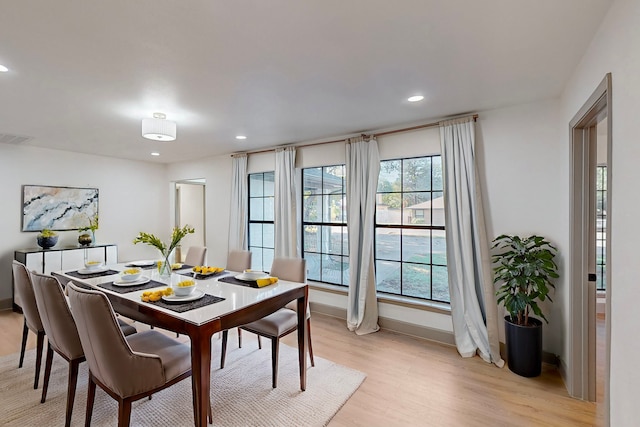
(241, 393)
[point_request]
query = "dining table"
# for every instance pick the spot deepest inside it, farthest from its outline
(225, 303)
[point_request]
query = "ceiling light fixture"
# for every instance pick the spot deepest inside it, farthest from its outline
(415, 98)
(3, 69)
(155, 153)
(158, 128)
(241, 137)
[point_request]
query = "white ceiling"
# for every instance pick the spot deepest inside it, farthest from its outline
(83, 74)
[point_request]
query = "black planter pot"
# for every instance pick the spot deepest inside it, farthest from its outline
(47, 242)
(524, 347)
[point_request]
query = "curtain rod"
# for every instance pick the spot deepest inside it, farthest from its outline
(375, 135)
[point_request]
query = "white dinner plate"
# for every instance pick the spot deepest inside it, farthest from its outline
(242, 276)
(141, 281)
(143, 263)
(93, 270)
(196, 294)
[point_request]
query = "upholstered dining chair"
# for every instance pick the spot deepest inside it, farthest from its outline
(32, 320)
(127, 369)
(238, 261)
(196, 255)
(283, 321)
(62, 334)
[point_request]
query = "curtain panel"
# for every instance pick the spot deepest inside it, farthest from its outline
(474, 310)
(238, 212)
(362, 168)
(285, 218)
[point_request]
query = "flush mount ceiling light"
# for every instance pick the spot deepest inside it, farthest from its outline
(3, 69)
(158, 128)
(415, 98)
(241, 137)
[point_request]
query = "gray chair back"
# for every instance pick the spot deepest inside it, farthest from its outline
(24, 289)
(196, 255)
(238, 261)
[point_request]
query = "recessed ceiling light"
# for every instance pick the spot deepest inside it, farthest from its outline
(155, 154)
(3, 69)
(415, 98)
(241, 137)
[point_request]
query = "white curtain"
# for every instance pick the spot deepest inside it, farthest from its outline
(238, 209)
(286, 241)
(363, 166)
(473, 304)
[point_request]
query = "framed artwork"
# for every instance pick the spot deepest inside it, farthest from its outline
(57, 208)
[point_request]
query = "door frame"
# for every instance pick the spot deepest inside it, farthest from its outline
(582, 292)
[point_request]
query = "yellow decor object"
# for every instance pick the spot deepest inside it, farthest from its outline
(203, 269)
(266, 281)
(153, 296)
(185, 283)
(128, 271)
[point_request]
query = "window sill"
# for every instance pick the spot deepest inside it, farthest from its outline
(436, 307)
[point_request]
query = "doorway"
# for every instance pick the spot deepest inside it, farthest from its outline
(590, 246)
(190, 209)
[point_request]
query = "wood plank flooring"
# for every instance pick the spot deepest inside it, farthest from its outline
(414, 382)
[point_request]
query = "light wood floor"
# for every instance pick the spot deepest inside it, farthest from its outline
(414, 382)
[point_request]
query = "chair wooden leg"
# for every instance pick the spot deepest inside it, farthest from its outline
(275, 350)
(223, 352)
(25, 334)
(210, 414)
(39, 348)
(259, 342)
(91, 394)
(309, 341)
(124, 413)
(239, 337)
(71, 389)
(47, 373)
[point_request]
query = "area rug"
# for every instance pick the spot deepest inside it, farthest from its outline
(241, 393)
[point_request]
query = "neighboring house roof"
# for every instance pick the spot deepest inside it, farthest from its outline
(437, 203)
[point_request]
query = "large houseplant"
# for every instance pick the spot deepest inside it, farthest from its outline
(525, 268)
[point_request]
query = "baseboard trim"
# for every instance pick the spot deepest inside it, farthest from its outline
(6, 304)
(442, 337)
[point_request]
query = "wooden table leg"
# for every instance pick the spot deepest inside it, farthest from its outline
(200, 375)
(302, 338)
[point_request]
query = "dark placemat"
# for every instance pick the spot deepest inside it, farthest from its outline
(146, 267)
(233, 280)
(126, 289)
(203, 276)
(186, 306)
(92, 275)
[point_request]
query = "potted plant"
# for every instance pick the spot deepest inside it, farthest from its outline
(47, 238)
(86, 239)
(525, 268)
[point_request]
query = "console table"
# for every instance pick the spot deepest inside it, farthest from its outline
(62, 258)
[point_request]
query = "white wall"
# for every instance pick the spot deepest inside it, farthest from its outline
(616, 49)
(132, 198)
(524, 172)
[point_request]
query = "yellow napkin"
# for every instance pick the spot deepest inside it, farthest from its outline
(266, 281)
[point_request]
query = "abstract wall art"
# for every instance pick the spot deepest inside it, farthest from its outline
(57, 208)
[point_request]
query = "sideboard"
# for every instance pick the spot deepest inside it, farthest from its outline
(62, 258)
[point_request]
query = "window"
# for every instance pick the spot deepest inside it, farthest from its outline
(325, 243)
(601, 227)
(261, 227)
(410, 249)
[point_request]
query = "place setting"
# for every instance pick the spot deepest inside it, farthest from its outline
(203, 272)
(130, 280)
(92, 268)
(182, 296)
(250, 278)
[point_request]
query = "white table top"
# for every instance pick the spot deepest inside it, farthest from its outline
(235, 296)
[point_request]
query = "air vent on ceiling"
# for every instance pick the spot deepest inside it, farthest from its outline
(6, 138)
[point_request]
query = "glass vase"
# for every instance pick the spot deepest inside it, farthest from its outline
(164, 267)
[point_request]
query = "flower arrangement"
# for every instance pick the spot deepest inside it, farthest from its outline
(93, 224)
(176, 236)
(48, 233)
